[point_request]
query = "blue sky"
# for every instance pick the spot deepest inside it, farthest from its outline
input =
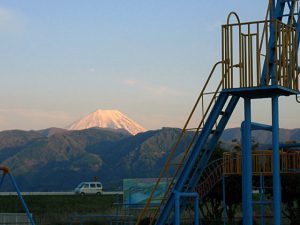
(62, 59)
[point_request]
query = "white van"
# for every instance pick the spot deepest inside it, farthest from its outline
(86, 188)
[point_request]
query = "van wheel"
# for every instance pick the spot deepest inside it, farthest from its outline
(82, 193)
(98, 193)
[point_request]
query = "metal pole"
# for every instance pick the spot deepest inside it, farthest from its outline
(117, 209)
(199, 212)
(21, 199)
(247, 165)
(262, 199)
(129, 213)
(224, 201)
(196, 210)
(2, 179)
(177, 208)
(125, 214)
(276, 162)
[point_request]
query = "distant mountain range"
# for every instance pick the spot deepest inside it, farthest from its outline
(56, 159)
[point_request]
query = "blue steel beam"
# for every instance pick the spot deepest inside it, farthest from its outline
(262, 199)
(21, 199)
(2, 179)
(276, 162)
(198, 149)
(260, 126)
(212, 143)
(177, 208)
(247, 165)
(290, 145)
(276, 12)
(224, 200)
(178, 197)
(193, 156)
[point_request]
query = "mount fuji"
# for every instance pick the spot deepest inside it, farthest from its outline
(112, 119)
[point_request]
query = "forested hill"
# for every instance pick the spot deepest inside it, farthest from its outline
(57, 160)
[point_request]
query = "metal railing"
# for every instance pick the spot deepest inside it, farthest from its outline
(262, 162)
(246, 47)
(210, 177)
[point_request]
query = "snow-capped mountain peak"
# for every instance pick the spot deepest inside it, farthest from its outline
(113, 119)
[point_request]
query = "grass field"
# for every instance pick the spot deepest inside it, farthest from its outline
(58, 210)
(55, 210)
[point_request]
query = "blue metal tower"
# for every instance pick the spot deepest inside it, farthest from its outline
(259, 61)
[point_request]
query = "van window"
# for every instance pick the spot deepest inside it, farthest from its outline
(98, 185)
(93, 185)
(86, 186)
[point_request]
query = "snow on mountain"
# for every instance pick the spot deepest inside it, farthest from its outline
(113, 119)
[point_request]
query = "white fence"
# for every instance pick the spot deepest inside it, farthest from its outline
(57, 193)
(14, 219)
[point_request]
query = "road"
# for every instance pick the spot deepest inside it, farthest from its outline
(58, 193)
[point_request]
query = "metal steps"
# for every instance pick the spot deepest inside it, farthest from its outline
(197, 160)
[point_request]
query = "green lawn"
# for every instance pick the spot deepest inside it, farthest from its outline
(59, 209)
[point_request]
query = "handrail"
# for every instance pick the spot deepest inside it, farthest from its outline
(166, 166)
(265, 26)
(236, 16)
(217, 166)
(293, 12)
(248, 58)
(262, 162)
(291, 163)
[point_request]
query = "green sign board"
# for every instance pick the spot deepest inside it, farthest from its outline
(137, 191)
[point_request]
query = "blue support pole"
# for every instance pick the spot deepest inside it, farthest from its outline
(2, 179)
(117, 210)
(224, 201)
(129, 214)
(177, 208)
(125, 214)
(199, 212)
(177, 196)
(21, 199)
(247, 165)
(262, 199)
(276, 12)
(276, 162)
(196, 208)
